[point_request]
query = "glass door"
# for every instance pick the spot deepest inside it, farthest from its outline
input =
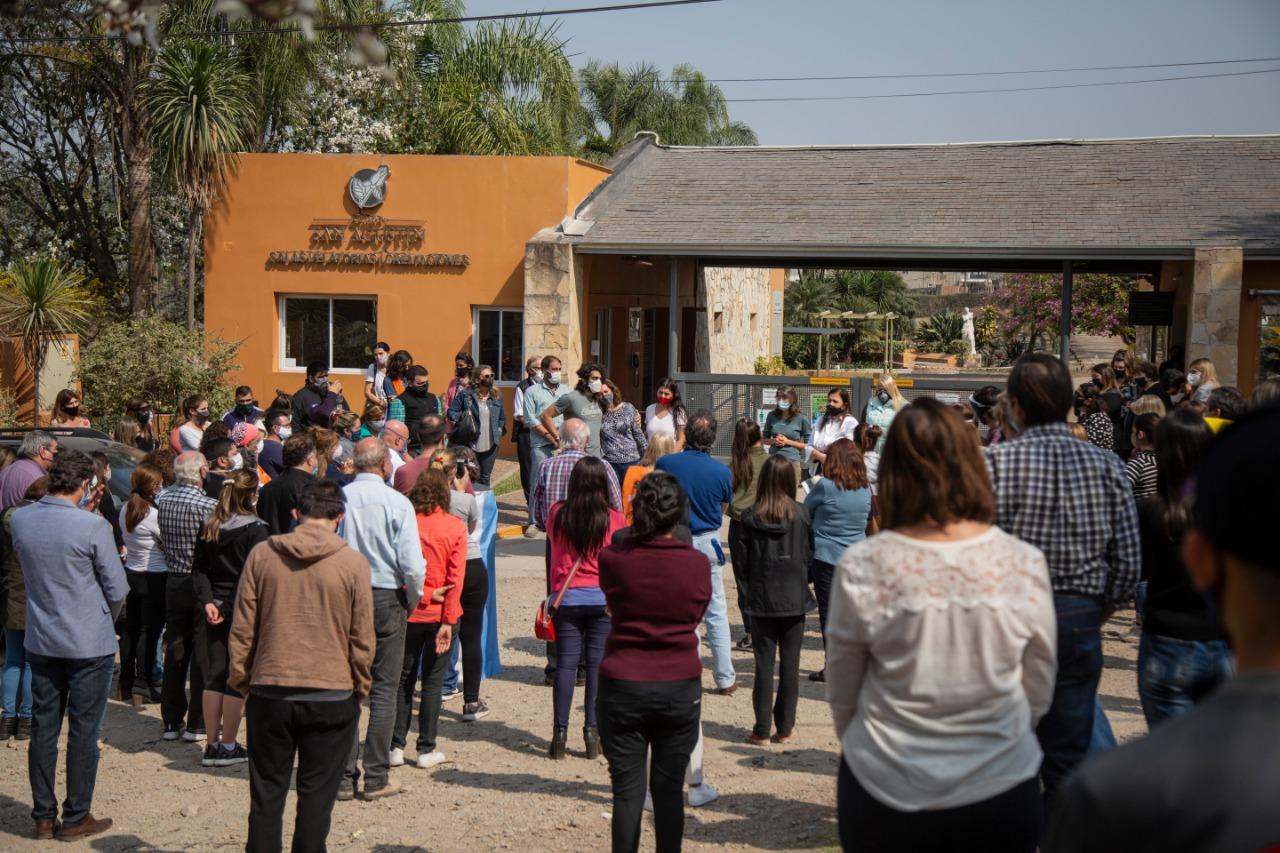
(1269, 339)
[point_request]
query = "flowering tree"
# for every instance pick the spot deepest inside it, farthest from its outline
(1031, 305)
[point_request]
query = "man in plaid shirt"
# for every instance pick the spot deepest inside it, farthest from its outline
(552, 487)
(1071, 500)
(182, 511)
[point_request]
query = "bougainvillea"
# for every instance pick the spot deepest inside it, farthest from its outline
(1031, 306)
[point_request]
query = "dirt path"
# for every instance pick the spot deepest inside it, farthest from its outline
(499, 790)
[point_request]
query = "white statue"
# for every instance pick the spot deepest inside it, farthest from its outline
(969, 337)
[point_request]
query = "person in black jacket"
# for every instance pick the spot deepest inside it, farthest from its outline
(315, 402)
(232, 531)
(281, 496)
(418, 403)
(779, 549)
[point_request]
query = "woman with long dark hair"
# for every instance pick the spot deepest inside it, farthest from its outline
(622, 441)
(189, 434)
(146, 572)
(840, 505)
(837, 422)
(232, 531)
(657, 589)
(67, 410)
(667, 415)
(940, 597)
(140, 410)
(578, 528)
(779, 549)
(1091, 413)
(1183, 653)
(745, 461)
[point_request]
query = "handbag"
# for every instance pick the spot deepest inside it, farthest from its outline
(543, 626)
(465, 429)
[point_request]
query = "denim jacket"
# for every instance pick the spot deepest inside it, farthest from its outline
(497, 417)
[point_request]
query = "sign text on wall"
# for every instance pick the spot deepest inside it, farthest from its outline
(364, 241)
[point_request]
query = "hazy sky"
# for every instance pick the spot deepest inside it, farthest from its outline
(777, 38)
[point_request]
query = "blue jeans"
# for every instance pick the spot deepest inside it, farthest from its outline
(451, 667)
(1102, 738)
(717, 616)
(538, 453)
(17, 675)
(1067, 730)
(79, 688)
(577, 626)
(1173, 675)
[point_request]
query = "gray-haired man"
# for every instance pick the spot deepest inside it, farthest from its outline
(35, 456)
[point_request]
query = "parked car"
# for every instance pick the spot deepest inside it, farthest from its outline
(123, 458)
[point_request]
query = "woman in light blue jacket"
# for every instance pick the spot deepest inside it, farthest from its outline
(883, 406)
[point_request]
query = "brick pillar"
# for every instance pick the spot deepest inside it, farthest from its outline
(553, 299)
(1215, 310)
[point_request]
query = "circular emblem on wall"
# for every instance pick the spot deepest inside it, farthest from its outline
(368, 187)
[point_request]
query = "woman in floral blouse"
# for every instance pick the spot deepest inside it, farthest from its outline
(622, 440)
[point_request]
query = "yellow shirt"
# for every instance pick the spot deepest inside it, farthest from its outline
(1217, 424)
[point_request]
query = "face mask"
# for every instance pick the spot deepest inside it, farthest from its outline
(380, 359)
(488, 383)
(418, 390)
(1014, 426)
(377, 426)
(284, 432)
(257, 448)
(202, 417)
(1118, 369)
(594, 386)
(338, 452)
(88, 492)
(244, 408)
(321, 386)
(784, 405)
(537, 376)
(73, 410)
(555, 377)
(1097, 383)
(665, 399)
(833, 411)
(607, 396)
(1193, 378)
(237, 462)
(462, 372)
(883, 396)
(144, 418)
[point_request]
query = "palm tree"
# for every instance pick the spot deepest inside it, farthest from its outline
(201, 114)
(40, 301)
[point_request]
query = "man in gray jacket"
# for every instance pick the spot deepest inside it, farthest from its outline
(75, 589)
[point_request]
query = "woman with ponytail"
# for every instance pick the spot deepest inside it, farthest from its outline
(232, 531)
(146, 571)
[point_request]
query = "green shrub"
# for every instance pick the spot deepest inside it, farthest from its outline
(159, 361)
(770, 366)
(8, 408)
(960, 347)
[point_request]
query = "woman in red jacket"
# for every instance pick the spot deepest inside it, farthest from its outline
(577, 528)
(657, 588)
(430, 631)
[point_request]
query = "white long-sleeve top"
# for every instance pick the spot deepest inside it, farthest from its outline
(142, 544)
(827, 432)
(941, 657)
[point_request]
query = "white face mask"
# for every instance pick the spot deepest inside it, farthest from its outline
(594, 386)
(257, 448)
(784, 404)
(338, 452)
(237, 462)
(537, 376)
(555, 377)
(284, 432)
(1193, 378)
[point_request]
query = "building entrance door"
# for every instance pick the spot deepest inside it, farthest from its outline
(599, 351)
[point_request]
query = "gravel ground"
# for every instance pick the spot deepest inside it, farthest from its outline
(499, 791)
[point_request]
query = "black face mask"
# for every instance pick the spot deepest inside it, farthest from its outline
(833, 412)
(320, 386)
(72, 410)
(144, 418)
(419, 390)
(244, 408)
(462, 372)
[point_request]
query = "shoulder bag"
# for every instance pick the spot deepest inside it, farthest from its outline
(465, 429)
(543, 626)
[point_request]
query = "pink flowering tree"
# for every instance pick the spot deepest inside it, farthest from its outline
(1030, 308)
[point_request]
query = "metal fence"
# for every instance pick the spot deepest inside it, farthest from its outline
(733, 396)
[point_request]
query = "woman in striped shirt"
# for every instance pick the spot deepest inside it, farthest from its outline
(1141, 468)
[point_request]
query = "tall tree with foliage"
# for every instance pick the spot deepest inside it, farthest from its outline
(201, 115)
(1032, 305)
(41, 301)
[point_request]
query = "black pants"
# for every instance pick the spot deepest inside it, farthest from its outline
(820, 574)
(389, 615)
(485, 460)
(320, 734)
(779, 637)
(182, 620)
(475, 592)
(524, 452)
(420, 651)
(214, 657)
(738, 559)
(636, 716)
(1005, 823)
(140, 628)
(552, 655)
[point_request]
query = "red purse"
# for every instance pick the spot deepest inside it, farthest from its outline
(544, 628)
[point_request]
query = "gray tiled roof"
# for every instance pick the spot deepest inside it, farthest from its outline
(1140, 197)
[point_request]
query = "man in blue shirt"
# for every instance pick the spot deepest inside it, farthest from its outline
(541, 444)
(75, 589)
(709, 487)
(380, 524)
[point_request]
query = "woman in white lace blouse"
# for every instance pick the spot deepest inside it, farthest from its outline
(940, 656)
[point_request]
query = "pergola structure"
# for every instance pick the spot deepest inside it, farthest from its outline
(1199, 216)
(824, 331)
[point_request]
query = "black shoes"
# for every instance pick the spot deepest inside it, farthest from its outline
(8, 728)
(559, 740)
(592, 737)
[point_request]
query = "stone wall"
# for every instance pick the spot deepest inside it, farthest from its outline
(1215, 310)
(553, 298)
(734, 319)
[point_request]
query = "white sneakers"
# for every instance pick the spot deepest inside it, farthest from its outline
(429, 760)
(396, 757)
(699, 795)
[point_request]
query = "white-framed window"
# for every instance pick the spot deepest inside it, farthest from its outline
(338, 330)
(497, 339)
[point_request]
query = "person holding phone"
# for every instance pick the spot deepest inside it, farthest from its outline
(232, 531)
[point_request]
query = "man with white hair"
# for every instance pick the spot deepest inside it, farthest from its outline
(395, 435)
(553, 486)
(34, 458)
(381, 525)
(181, 512)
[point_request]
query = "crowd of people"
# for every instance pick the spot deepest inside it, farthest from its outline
(298, 565)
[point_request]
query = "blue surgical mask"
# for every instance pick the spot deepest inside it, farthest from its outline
(784, 404)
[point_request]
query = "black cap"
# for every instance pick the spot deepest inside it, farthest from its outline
(1238, 490)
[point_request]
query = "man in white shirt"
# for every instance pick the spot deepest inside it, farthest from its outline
(396, 436)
